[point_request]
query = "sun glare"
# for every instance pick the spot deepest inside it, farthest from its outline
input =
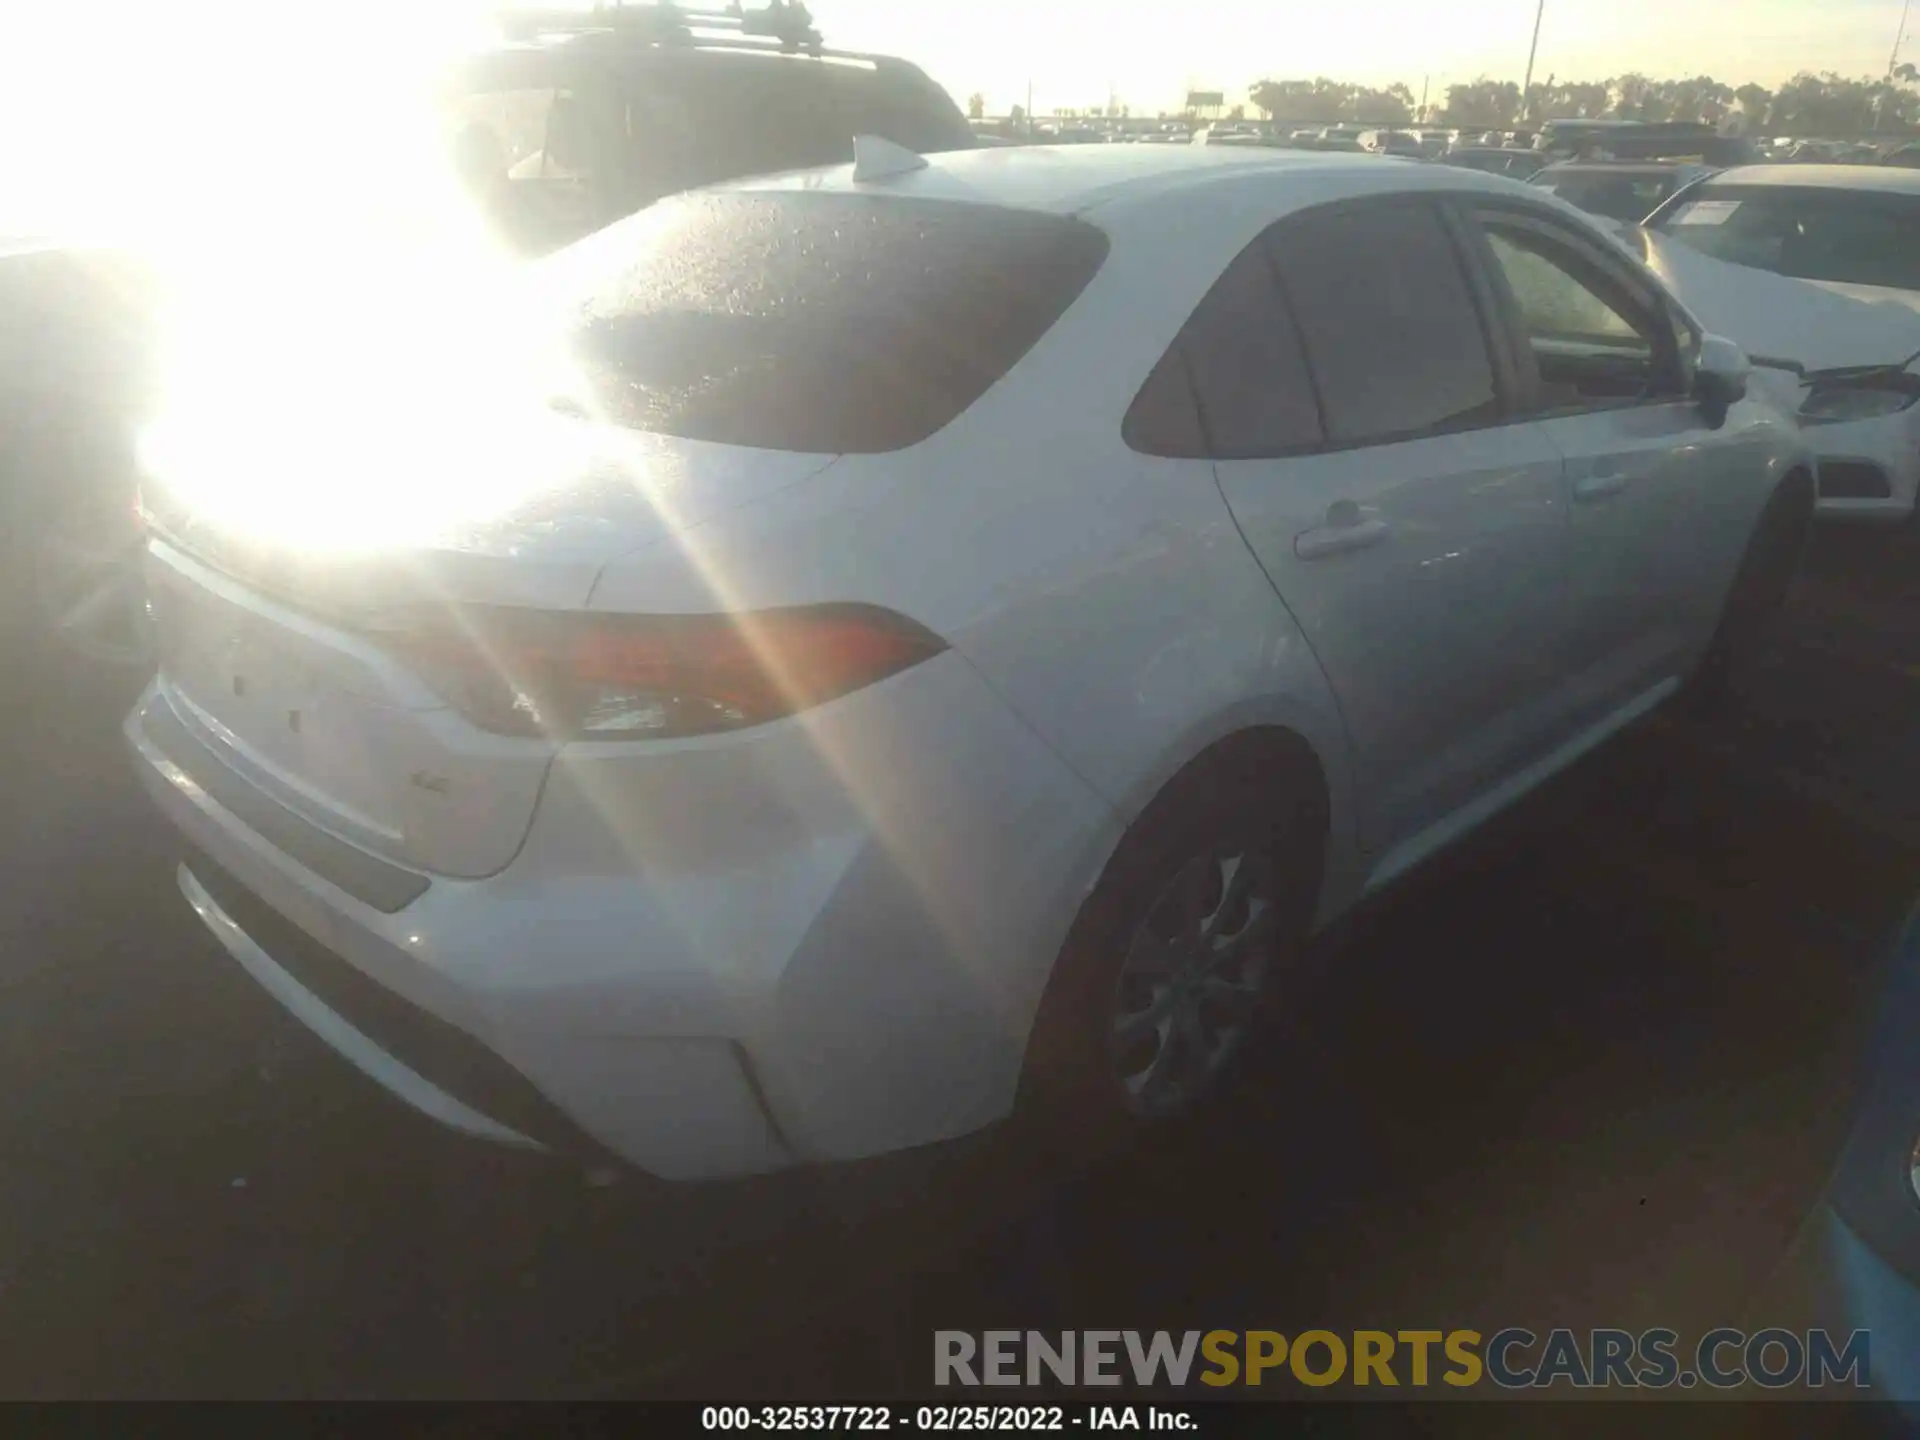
(344, 365)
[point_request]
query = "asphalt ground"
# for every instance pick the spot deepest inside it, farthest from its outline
(1591, 1069)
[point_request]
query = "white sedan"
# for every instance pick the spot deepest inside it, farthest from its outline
(1808, 234)
(966, 624)
(1854, 229)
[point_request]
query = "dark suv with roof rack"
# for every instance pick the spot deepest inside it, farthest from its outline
(582, 118)
(1624, 170)
(1624, 190)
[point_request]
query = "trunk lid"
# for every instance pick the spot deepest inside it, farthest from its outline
(271, 647)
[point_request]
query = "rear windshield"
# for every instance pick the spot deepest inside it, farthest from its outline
(824, 323)
(1851, 237)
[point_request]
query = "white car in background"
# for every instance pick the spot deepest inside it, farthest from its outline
(968, 622)
(1834, 234)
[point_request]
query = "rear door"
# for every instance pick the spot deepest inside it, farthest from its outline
(1657, 498)
(1359, 419)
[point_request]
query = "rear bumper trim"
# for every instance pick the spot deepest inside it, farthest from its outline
(367, 878)
(426, 1048)
(348, 1042)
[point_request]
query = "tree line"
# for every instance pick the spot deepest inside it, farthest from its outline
(1825, 104)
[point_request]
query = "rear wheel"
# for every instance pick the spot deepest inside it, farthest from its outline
(1167, 977)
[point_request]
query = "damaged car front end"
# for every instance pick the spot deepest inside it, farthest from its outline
(1843, 367)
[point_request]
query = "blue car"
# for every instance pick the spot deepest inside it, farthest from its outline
(1873, 1202)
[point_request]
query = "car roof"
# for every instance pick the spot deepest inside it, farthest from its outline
(1071, 179)
(1891, 179)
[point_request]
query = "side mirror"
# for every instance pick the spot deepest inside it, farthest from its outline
(1720, 376)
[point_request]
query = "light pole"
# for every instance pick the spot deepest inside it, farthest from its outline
(1526, 89)
(1893, 61)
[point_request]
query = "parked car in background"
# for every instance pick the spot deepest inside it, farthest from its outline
(1627, 191)
(591, 115)
(1853, 229)
(1242, 135)
(966, 621)
(580, 120)
(1434, 143)
(1904, 156)
(1390, 142)
(1853, 232)
(1497, 160)
(1869, 1219)
(1641, 140)
(78, 338)
(1833, 152)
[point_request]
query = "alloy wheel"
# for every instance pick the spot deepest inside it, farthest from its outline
(1189, 986)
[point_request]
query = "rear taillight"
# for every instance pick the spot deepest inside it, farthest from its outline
(637, 677)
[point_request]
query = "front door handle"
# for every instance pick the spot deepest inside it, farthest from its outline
(1347, 528)
(1598, 487)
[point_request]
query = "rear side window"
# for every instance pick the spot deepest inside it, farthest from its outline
(1627, 198)
(751, 115)
(755, 114)
(901, 103)
(1235, 385)
(1389, 323)
(813, 322)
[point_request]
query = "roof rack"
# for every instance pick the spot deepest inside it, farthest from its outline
(785, 23)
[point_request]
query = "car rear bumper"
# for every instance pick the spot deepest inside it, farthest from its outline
(713, 959)
(420, 1028)
(198, 881)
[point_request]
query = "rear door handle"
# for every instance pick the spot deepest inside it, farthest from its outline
(1336, 538)
(1598, 487)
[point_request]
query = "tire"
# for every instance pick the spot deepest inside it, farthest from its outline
(1235, 843)
(1759, 591)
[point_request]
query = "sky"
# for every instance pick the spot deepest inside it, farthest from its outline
(1072, 50)
(176, 98)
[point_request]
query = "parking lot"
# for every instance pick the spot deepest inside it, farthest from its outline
(1589, 1070)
